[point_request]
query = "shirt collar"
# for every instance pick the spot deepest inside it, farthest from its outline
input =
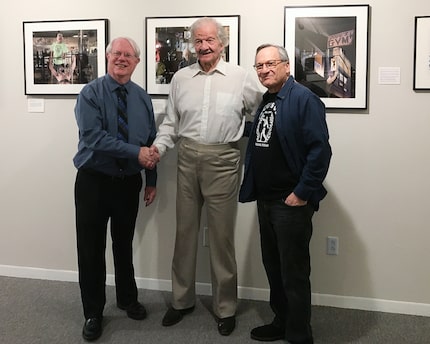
(113, 85)
(221, 67)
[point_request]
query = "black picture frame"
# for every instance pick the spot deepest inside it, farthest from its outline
(329, 48)
(81, 55)
(422, 53)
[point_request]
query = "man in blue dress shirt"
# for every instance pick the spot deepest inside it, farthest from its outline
(109, 181)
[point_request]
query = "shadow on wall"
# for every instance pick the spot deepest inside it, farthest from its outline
(343, 275)
(251, 272)
(156, 224)
(156, 228)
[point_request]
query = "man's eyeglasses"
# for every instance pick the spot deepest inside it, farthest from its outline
(269, 65)
(118, 54)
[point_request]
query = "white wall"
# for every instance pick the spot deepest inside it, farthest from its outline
(378, 181)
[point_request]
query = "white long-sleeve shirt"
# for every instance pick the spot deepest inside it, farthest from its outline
(209, 107)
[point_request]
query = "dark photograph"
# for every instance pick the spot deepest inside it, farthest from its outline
(328, 47)
(174, 50)
(325, 55)
(169, 47)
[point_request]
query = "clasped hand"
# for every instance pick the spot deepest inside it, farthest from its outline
(149, 157)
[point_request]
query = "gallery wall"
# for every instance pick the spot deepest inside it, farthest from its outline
(378, 180)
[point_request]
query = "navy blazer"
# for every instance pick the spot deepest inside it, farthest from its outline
(304, 138)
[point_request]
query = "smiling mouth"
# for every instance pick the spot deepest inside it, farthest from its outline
(266, 78)
(204, 52)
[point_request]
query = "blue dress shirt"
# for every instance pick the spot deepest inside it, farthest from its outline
(96, 116)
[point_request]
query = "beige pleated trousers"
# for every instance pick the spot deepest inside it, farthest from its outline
(207, 174)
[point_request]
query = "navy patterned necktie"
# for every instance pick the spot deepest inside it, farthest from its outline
(122, 114)
(122, 122)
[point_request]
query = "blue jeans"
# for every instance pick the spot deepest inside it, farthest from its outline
(285, 235)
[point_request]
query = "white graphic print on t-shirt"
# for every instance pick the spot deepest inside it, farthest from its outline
(265, 125)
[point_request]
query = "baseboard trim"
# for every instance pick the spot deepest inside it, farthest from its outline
(369, 304)
(258, 294)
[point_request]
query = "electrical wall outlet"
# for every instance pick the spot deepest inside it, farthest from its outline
(332, 245)
(205, 236)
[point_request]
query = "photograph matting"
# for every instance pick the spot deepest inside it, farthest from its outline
(85, 60)
(422, 53)
(309, 24)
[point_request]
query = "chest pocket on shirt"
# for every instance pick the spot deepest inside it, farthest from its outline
(226, 104)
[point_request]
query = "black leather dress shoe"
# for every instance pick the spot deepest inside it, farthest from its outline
(134, 311)
(267, 333)
(226, 325)
(173, 316)
(307, 341)
(92, 329)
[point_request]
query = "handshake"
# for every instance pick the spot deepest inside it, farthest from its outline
(149, 157)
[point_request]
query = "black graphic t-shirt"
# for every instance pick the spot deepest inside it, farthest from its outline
(273, 177)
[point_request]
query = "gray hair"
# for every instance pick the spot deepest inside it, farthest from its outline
(221, 33)
(130, 40)
(281, 50)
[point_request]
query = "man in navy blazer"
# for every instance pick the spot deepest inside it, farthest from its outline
(286, 162)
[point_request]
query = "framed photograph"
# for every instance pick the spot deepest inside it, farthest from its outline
(328, 49)
(169, 48)
(422, 53)
(60, 57)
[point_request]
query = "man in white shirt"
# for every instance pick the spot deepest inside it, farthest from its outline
(206, 110)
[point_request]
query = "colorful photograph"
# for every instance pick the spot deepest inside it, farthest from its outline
(61, 57)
